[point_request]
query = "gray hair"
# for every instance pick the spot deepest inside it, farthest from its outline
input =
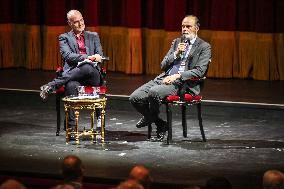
(197, 23)
(72, 13)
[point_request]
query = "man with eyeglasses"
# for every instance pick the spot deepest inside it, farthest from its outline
(188, 57)
(77, 46)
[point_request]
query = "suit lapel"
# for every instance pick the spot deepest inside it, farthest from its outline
(73, 41)
(87, 42)
(191, 52)
(194, 47)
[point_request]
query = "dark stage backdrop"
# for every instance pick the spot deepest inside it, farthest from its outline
(246, 35)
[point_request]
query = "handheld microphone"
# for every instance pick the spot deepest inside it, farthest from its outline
(183, 39)
(105, 58)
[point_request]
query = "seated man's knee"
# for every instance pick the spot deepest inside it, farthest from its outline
(136, 97)
(72, 84)
(132, 98)
(153, 93)
(87, 68)
(71, 88)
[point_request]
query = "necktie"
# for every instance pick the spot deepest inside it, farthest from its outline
(179, 64)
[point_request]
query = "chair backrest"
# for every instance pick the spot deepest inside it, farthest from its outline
(204, 76)
(103, 70)
(197, 80)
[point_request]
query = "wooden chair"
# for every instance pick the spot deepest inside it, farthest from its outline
(184, 100)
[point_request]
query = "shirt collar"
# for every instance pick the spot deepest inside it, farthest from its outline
(81, 35)
(193, 40)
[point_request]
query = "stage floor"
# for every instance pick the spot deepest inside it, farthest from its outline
(235, 90)
(245, 134)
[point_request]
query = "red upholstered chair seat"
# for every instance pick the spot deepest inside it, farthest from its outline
(61, 90)
(100, 89)
(88, 89)
(187, 98)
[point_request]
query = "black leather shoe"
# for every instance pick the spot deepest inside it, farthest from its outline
(142, 123)
(162, 128)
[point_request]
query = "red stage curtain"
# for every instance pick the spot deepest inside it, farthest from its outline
(246, 35)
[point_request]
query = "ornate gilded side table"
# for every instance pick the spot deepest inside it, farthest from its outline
(85, 102)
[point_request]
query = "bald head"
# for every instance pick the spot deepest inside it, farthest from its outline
(72, 168)
(130, 184)
(141, 174)
(12, 184)
(76, 21)
(63, 186)
(273, 179)
(73, 13)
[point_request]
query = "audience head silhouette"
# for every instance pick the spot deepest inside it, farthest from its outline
(130, 184)
(72, 169)
(192, 187)
(12, 184)
(218, 183)
(141, 174)
(63, 186)
(273, 179)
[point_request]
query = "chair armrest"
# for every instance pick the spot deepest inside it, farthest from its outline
(59, 71)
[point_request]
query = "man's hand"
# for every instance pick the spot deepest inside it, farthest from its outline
(95, 57)
(180, 49)
(169, 79)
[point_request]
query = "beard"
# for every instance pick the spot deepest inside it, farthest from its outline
(80, 29)
(190, 35)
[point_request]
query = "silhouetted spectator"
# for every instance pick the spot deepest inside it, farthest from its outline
(12, 184)
(192, 187)
(63, 186)
(129, 184)
(218, 183)
(273, 179)
(73, 171)
(142, 175)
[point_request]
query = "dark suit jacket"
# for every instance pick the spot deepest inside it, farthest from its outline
(196, 63)
(70, 52)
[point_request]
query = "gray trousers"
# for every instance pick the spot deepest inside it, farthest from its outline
(147, 98)
(85, 75)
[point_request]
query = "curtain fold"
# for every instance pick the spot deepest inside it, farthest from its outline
(154, 50)
(137, 34)
(134, 66)
(6, 46)
(51, 52)
(33, 50)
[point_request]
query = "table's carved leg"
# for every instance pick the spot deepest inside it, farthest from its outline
(103, 124)
(66, 125)
(92, 124)
(77, 129)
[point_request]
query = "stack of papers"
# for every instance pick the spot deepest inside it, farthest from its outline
(84, 97)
